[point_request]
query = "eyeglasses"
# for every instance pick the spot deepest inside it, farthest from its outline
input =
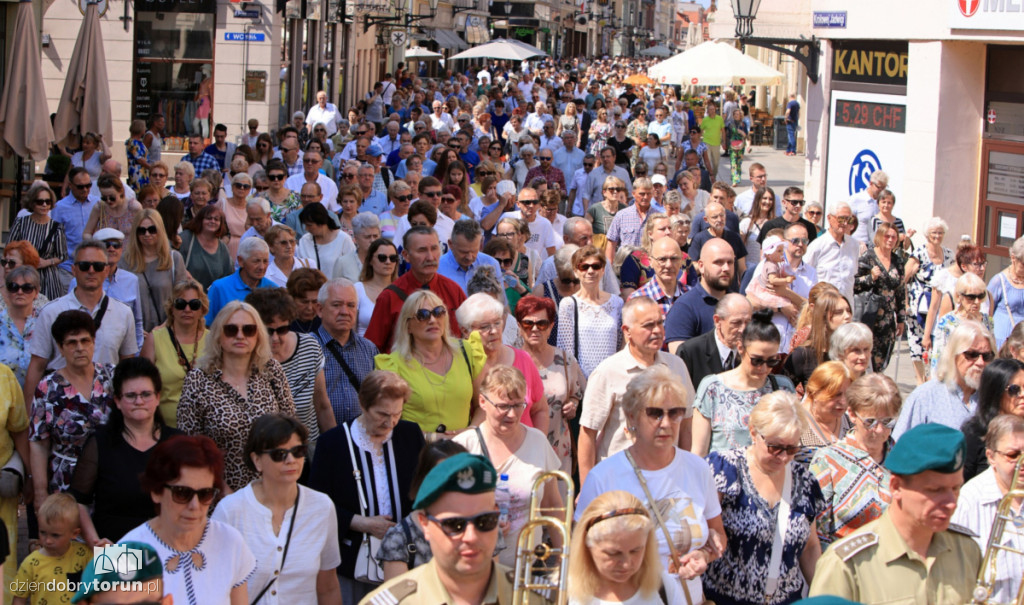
(871, 423)
(972, 356)
(275, 177)
(281, 454)
(794, 202)
(245, 186)
(280, 330)
(181, 303)
(348, 176)
(108, 198)
(14, 288)
(495, 326)
(150, 230)
(845, 220)
(115, 244)
(974, 297)
(387, 258)
(140, 396)
(813, 213)
(569, 281)
(425, 314)
(453, 527)
(182, 494)
(656, 414)
(777, 448)
(535, 324)
(799, 241)
(1011, 455)
(8, 263)
(505, 408)
(771, 362)
(584, 267)
(84, 266)
(231, 330)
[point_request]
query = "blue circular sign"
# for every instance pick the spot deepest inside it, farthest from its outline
(864, 164)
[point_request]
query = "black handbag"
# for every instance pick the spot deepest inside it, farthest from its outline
(866, 306)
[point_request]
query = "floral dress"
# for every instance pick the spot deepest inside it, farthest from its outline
(728, 410)
(736, 135)
(278, 212)
(891, 295)
(14, 343)
(63, 416)
(562, 379)
(138, 175)
(599, 133)
(919, 292)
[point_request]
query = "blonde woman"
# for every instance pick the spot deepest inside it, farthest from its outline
(601, 215)
(970, 293)
(148, 254)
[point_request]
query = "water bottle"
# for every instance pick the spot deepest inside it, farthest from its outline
(503, 496)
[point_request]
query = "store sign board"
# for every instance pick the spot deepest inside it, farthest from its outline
(986, 14)
(870, 61)
(177, 6)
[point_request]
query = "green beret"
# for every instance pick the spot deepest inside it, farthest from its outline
(122, 562)
(927, 447)
(463, 473)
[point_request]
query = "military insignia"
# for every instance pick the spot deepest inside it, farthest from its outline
(958, 460)
(854, 544)
(960, 529)
(465, 479)
(395, 593)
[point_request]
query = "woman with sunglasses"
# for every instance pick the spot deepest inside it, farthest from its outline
(755, 484)
(1001, 391)
(234, 210)
(380, 269)
(401, 197)
(148, 254)
(601, 215)
(235, 381)
(203, 560)
(46, 236)
(275, 513)
(495, 156)
(324, 242)
(589, 321)
(565, 283)
(723, 402)
(880, 280)
(18, 318)
(365, 467)
(282, 200)
(970, 292)
(850, 472)
(176, 344)
(206, 256)
(106, 480)
(673, 482)
(264, 149)
(825, 407)
(113, 210)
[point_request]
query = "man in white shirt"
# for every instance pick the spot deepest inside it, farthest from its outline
(391, 139)
(569, 158)
(548, 140)
(534, 122)
(758, 179)
(834, 255)
(806, 276)
(440, 117)
(323, 113)
(542, 234)
(865, 206)
(579, 184)
(311, 163)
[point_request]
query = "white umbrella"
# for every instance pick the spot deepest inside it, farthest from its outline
(421, 54)
(509, 50)
(714, 64)
(656, 51)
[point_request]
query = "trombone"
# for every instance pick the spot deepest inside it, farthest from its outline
(986, 583)
(532, 552)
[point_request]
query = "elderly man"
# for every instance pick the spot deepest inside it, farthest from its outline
(568, 159)
(668, 285)
(422, 250)
(726, 196)
(593, 192)
(548, 139)
(603, 423)
(864, 205)
(309, 194)
(365, 229)
(439, 117)
(391, 140)
(833, 254)
(714, 213)
(627, 227)
(141, 583)
(792, 206)
(717, 350)
(373, 200)
(73, 212)
(912, 553)
(257, 210)
(693, 314)
(661, 126)
(464, 257)
(253, 258)
(348, 357)
(951, 397)
(546, 170)
(312, 161)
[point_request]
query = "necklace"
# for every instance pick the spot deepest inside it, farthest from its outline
(426, 375)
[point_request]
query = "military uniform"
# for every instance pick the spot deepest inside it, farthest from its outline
(422, 586)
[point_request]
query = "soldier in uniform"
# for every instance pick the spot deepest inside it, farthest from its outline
(459, 517)
(912, 553)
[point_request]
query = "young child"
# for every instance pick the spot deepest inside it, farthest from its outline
(59, 558)
(769, 274)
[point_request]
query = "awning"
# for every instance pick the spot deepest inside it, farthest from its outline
(447, 39)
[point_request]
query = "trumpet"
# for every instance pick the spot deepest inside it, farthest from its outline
(533, 552)
(986, 583)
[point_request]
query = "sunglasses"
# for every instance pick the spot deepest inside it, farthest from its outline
(794, 202)
(505, 408)
(529, 202)
(799, 241)
(569, 281)
(181, 303)
(431, 194)
(281, 454)
(870, 423)
(82, 187)
(280, 331)
(845, 220)
(108, 198)
(8, 263)
(242, 185)
(182, 494)
(544, 159)
(447, 200)
(505, 262)
(972, 356)
(231, 330)
(115, 244)
(588, 164)
(656, 414)
(387, 258)
(403, 198)
(150, 230)
(1013, 390)
(261, 189)
(14, 288)
(813, 213)
(453, 527)
(1011, 455)
(584, 267)
(275, 177)
(615, 189)
(425, 314)
(84, 266)
(974, 297)
(538, 324)
(771, 362)
(777, 448)
(45, 201)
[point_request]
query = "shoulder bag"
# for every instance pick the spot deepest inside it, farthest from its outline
(367, 568)
(287, 543)
(779, 539)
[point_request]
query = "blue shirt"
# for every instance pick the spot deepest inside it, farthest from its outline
(229, 288)
(73, 215)
(934, 401)
(428, 168)
(358, 354)
(732, 223)
(451, 269)
(692, 315)
(376, 202)
(568, 162)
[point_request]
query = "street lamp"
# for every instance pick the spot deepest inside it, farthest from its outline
(805, 50)
(401, 20)
(508, 8)
(746, 12)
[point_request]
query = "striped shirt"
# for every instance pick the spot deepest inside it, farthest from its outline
(358, 354)
(301, 370)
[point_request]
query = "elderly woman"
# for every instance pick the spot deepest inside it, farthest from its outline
(970, 292)
(234, 208)
(922, 264)
(18, 319)
(601, 214)
(753, 482)
(324, 242)
(281, 241)
(365, 467)
(524, 165)
(304, 287)
(979, 501)
(350, 197)
(825, 406)
(851, 344)
(69, 405)
(282, 200)
(969, 259)
(401, 197)
(234, 382)
(178, 343)
(113, 210)
(1007, 289)
(184, 174)
(637, 268)
(850, 472)
(1013, 347)
(275, 506)
(724, 401)
(674, 485)
(106, 479)
(441, 370)
(148, 255)
(206, 257)
(560, 373)
(589, 320)
(380, 269)
(886, 202)
(519, 453)
(301, 358)
(881, 294)
(202, 192)
(483, 314)
(46, 236)
(204, 560)
(1001, 391)
(366, 230)
(951, 396)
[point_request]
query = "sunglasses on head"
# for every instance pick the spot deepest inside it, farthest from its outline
(14, 288)
(454, 527)
(182, 494)
(231, 330)
(281, 454)
(771, 362)
(971, 355)
(181, 303)
(535, 324)
(280, 331)
(84, 266)
(387, 258)
(778, 448)
(656, 414)
(425, 314)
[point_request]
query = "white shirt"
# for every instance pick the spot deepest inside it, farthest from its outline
(324, 256)
(554, 143)
(277, 276)
(114, 339)
(327, 188)
(542, 234)
(864, 207)
(548, 272)
(744, 202)
(328, 116)
(834, 262)
(445, 119)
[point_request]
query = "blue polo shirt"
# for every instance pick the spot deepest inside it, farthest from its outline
(692, 315)
(451, 269)
(227, 289)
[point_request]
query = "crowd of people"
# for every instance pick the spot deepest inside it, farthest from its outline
(367, 332)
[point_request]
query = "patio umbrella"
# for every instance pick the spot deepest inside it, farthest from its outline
(639, 80)
(714, 64)
(85, 102)
(421, 54)
(656, 51)
(24, 117)
(509, 50)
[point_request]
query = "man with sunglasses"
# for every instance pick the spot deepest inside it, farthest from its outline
(312, 161)
(912, 553)
(459, 517)
(120, 285)
(792, 206)
(73, 212)
(603, 422)
(547, 170)
(253, 260)
(834, 255)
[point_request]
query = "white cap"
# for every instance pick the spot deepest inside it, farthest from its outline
(107, 233)
(659, 179)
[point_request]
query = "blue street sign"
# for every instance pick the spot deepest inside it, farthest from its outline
(829, 19)
(247, 14)
(243, 37)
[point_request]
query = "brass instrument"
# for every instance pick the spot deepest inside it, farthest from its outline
(985, 586)
(531, 553)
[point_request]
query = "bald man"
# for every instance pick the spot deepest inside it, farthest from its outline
(693, 314)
